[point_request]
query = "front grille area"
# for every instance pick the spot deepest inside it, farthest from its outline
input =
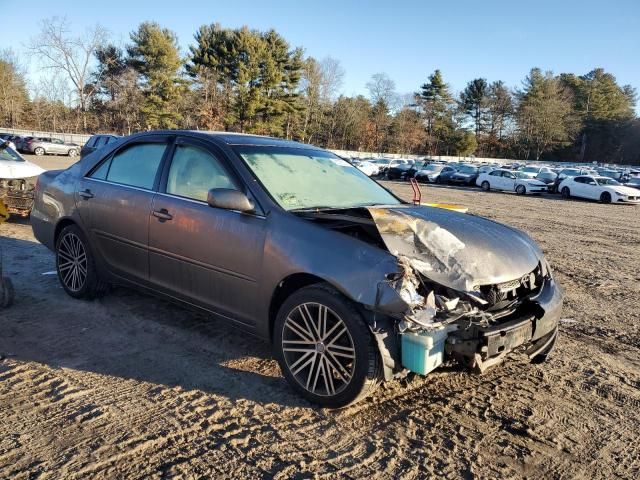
(500, 295)
(20, 202)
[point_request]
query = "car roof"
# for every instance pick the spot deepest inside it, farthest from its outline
(231, 138)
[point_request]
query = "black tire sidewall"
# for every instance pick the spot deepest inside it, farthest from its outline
(565, 192)
(90, 287)
(485, 186)
(605, 197)
(521, 190)
(361, 336)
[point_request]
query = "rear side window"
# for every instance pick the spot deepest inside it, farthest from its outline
(135, 166)
(91, 142)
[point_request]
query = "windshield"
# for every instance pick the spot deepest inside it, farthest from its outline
(432, 168)
(8, 154)
(531, 169)
(634, 180)
(467, 169)
(303, 178)
(606, 181)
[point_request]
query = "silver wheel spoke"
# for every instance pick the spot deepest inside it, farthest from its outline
(298, 330)
(337, 366)
(299, 361)
(328, 378)
(315, 380)
(346, 352)
(337, 336)
(306, 317)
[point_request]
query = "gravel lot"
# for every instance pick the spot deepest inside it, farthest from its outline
(133, 387)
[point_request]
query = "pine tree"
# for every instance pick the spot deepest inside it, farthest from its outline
(155, 56)
(437, 107)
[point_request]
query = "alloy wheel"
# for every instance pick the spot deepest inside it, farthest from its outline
(72, 262)
(318, 349)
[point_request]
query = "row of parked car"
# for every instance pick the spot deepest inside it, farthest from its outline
(600, 183)
(55, 146)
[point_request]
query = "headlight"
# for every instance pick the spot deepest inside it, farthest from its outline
(620, 194)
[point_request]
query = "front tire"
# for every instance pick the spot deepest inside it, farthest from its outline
(605, 197)
(521, 190)
(566, 193)
(485, 186)
(76, 266)
(73, 152)
(325, 350)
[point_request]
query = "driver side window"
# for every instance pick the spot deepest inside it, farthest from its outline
(194, 171)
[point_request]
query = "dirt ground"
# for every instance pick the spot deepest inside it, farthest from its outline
(133, 387)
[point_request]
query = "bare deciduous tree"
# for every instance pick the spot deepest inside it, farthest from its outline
(382, 88)
(58, 49)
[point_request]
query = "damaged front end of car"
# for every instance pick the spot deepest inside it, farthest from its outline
(18, 195)
(466, 289)
(453, 309)
(18, 179)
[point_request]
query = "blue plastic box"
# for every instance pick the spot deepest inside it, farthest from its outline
(424, 351)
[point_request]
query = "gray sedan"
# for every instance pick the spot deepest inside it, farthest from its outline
(349, 284)
(49, 146)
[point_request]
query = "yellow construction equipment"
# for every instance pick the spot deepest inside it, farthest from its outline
(6, 287)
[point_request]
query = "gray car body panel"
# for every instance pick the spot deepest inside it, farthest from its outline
(287, 244)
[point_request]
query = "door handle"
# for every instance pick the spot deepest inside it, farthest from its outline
(86, 194)
(163, 215)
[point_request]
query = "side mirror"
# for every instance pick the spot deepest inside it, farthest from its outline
(229, 199)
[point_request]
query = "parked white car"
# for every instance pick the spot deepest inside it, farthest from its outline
(507, 180)
(605, 189)
(370, 169)
(532, 171)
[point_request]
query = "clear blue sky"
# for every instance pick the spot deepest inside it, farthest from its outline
(405, 39)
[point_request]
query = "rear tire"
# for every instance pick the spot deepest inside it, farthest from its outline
(39, 151)
(76, 266)
(73, 152)
(485, 186)
(325, 350)
(566, 193)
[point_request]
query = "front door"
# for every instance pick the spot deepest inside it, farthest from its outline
(508, 181)
(208, 256)
(114, 201)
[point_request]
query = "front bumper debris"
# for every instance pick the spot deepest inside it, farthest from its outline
(480, 347)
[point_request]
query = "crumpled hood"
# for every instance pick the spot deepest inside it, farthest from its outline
(456, 250)
(11, 169)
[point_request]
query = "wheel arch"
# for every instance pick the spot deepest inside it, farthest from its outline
(61, 225)
(285, 288)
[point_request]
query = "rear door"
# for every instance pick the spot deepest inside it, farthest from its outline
(114, 201)
(208, 256)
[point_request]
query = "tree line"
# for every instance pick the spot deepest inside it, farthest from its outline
(246, 80)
